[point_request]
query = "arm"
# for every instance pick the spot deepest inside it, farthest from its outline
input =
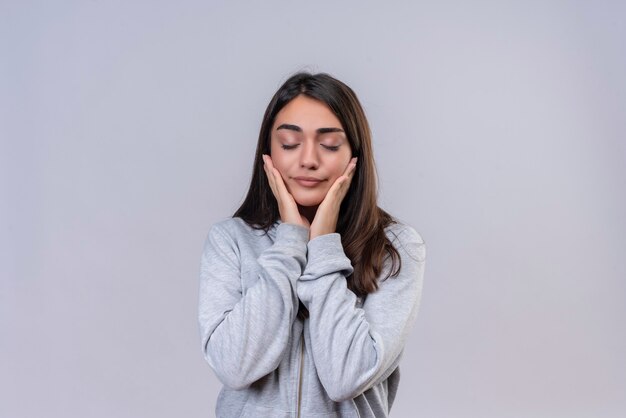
(244, 335)
(353, 348)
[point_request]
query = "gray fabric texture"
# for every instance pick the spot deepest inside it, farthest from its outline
(348, 349)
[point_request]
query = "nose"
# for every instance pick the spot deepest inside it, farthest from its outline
(309, 158)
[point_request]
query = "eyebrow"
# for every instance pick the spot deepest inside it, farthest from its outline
(299, 129)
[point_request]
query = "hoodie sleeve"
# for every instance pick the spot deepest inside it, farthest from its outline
(244, 335)
(357, 348)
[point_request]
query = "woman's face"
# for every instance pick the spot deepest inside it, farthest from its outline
(309, 148)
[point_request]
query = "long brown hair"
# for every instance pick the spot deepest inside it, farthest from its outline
(361, 222)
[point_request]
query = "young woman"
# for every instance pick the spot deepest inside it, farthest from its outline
(308, 293)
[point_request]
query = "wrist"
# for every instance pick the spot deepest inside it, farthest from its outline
(317, 231)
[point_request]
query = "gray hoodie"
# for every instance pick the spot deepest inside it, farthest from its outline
(340, 362)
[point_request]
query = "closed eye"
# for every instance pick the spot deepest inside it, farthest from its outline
(328, 147)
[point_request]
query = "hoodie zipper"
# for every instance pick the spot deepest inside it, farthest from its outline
(300, 374)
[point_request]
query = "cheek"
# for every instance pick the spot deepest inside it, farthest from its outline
(339, 165)
(279, 161)
(281, 166)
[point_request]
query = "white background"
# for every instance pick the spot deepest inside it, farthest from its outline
(128, 128)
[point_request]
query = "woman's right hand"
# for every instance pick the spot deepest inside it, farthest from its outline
(287, 205)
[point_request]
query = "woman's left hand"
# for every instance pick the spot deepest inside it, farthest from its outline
(325, 221)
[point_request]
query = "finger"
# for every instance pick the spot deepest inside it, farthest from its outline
(267, 166)
(268, 160)
(268, 173)
(336, 189)
(279, 183)
(279, 188)
(351, 169)
(345, 180)
(286, 204)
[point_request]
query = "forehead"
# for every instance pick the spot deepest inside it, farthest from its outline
(307, 113)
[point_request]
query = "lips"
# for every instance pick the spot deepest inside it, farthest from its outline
(307, 181)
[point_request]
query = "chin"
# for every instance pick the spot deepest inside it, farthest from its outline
(308, 200)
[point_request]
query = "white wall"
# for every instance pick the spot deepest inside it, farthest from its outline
(128, 128)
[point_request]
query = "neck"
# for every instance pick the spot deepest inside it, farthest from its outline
(308, 212)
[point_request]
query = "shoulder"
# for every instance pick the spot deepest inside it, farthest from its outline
(234, 227)
(406, 239)
(229, 237)
(236, 231)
